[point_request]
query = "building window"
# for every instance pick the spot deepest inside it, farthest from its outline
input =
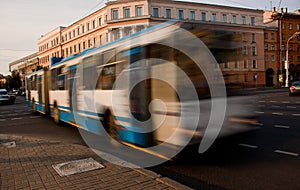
(236, 65)
(224, 18)
(192, 15)
(139, 11)
(245, 64)
(253, 38)
(155, 12)
(246, 77)
(272, 36)
(254, 64)
(291, 26)
(291, 48)
(244, 37)
(100, 21)
(298, 26)
(115, 14)
(254, 50)
(266, 46)
(75, 48)
(243, 20)
(127, 12)
(88, 26)
(266, 36)
(100, 40)
(203, 16)
(272, 47)
(298, 58)
(266, 58)
(82, 28)
(226, 65)
(78, 31)
(283, 37)
(252, 21)
(282, 25)
(234, 19)
(180, 15)
(214, 17)
(273, 58)
(244, 51)
(93, 24)
(79, 47)
(298, 48)
(168, 13)
(83, 45)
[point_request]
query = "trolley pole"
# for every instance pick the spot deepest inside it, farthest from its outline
(287, 59)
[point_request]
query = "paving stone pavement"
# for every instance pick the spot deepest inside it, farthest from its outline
(28, 165)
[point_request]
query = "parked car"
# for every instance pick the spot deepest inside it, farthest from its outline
(6, 98)
(294, 88)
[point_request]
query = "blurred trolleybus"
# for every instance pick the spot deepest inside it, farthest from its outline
(158, 85)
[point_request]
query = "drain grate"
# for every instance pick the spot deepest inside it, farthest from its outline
(77, 166)
(9, 144)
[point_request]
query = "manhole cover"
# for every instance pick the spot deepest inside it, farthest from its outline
(77, 166)
(9, 144)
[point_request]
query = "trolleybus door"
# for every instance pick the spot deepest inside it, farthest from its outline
(72, 90)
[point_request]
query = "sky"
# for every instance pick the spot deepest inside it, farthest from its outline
(24, 21)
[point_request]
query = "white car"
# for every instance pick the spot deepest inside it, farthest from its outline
(6, 98)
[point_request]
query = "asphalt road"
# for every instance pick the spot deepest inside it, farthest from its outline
(267, 158)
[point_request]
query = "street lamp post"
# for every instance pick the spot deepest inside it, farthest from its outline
(287, 59)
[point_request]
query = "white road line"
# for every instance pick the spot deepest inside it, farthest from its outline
(291, 107)
(277, 113)
(282, 126)
(272, 101)
(2, 119)
(296, 114)
(259, 112)
(287, 153)
(258, 124)
(248, 145)
(286, 102)
(16, 118)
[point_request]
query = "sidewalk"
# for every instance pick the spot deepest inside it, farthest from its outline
(28, 165)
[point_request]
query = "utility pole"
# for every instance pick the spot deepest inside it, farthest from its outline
(287, 59)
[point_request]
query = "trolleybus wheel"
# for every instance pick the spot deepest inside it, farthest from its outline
(110, 125)
(56, 116)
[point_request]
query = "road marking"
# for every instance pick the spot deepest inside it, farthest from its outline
(282, 126)
(291, 107)
(248, 145)
(275, 106)
(287, 153)
(259, 124)
(272, 101)
(296, 114)
(286, 102)
(259, 112)
(277, 113)
(16, 118)
(2, 119)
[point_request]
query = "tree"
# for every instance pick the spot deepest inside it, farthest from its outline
(14, 81)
